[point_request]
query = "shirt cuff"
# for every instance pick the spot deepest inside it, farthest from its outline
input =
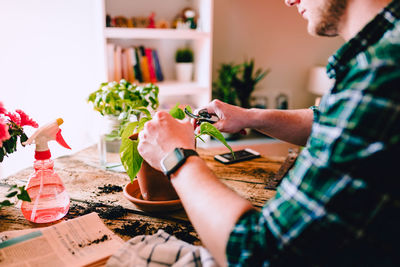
(316, 112)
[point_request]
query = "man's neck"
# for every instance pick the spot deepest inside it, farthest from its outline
(358, 14)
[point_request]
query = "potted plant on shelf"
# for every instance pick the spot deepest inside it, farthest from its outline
(121, 103)
(153, 184)
(184, 64)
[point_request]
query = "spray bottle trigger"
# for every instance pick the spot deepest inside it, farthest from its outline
(60, 140)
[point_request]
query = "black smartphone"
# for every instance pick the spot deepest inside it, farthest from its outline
(240, 155)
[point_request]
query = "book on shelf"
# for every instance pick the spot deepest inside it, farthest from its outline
(144, 65)
(157, 66)
(110, 61)
(124, 65)
(131, 64)
(117, 63)
(134, 64)
(138, 72)
(152, 72)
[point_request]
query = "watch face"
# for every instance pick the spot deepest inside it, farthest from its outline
(172, 159)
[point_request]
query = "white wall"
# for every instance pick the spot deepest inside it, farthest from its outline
(276, 36)
(51, 58)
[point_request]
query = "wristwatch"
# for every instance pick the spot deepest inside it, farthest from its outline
(175, 159)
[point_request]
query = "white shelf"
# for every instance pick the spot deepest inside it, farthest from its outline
(141, 33)
(175, 88)
(166, 42)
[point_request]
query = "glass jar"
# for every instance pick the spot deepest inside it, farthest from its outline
(109, 145)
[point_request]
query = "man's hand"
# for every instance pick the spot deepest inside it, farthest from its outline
(232, 119)
(293, 126)
(161, 135)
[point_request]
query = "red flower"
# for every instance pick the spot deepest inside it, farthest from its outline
(14, 118)
(25, 120)
(2, 109)
(4, 135)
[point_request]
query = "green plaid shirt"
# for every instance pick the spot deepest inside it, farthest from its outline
(340, 203)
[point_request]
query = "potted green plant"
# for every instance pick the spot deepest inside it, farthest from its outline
(154, 185)
(184, 64)
(121, 103)
(222, 87)
(245, 81)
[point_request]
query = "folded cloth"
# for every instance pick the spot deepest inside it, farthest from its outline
(160, 249)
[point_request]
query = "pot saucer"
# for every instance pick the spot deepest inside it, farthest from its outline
(132, 193)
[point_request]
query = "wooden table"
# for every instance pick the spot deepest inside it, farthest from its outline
(94, 189)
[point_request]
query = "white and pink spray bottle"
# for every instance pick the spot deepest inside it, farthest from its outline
(49, 199)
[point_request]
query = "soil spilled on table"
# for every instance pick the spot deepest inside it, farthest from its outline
(96, 241)
(140, 227)
(104, 211)
(135, 227)
(109, 189)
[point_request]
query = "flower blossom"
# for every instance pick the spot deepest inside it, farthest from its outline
(21, 119)
(4, 134)
(25, 120)
(2, 109)
(14, 118)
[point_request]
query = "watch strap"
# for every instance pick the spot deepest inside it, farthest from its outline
(186, 153)
(189, 152)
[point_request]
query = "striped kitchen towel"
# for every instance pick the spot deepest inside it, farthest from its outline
(160, 249)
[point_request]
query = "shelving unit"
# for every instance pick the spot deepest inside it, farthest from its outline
(166, 42)
(140, 33)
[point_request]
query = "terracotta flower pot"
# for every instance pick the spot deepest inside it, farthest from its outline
(154, 185)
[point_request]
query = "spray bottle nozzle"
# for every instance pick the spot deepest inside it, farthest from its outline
(46, 133)
(61, 141)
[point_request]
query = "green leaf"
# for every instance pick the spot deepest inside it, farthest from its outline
(12, 187)
(199, 136)
(23, 138)
(2, 153)
(92, 97)
(177, 112)
(189, 108)
(12, 194)
(154, 102)
(144, 111)
(122, 116)
(23, 195)
(123, 98)
(208, 128)
(130, 157)
(142, 122)
(129, 130)
(5, 203)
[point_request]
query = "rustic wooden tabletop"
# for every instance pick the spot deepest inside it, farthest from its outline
(92, 188)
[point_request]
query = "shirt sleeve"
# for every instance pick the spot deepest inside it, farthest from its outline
(248, 241)
(316, 112)
(322, 206)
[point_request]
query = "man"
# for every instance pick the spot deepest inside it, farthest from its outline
(340, 204)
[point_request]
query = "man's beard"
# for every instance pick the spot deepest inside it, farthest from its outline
(330, 17)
